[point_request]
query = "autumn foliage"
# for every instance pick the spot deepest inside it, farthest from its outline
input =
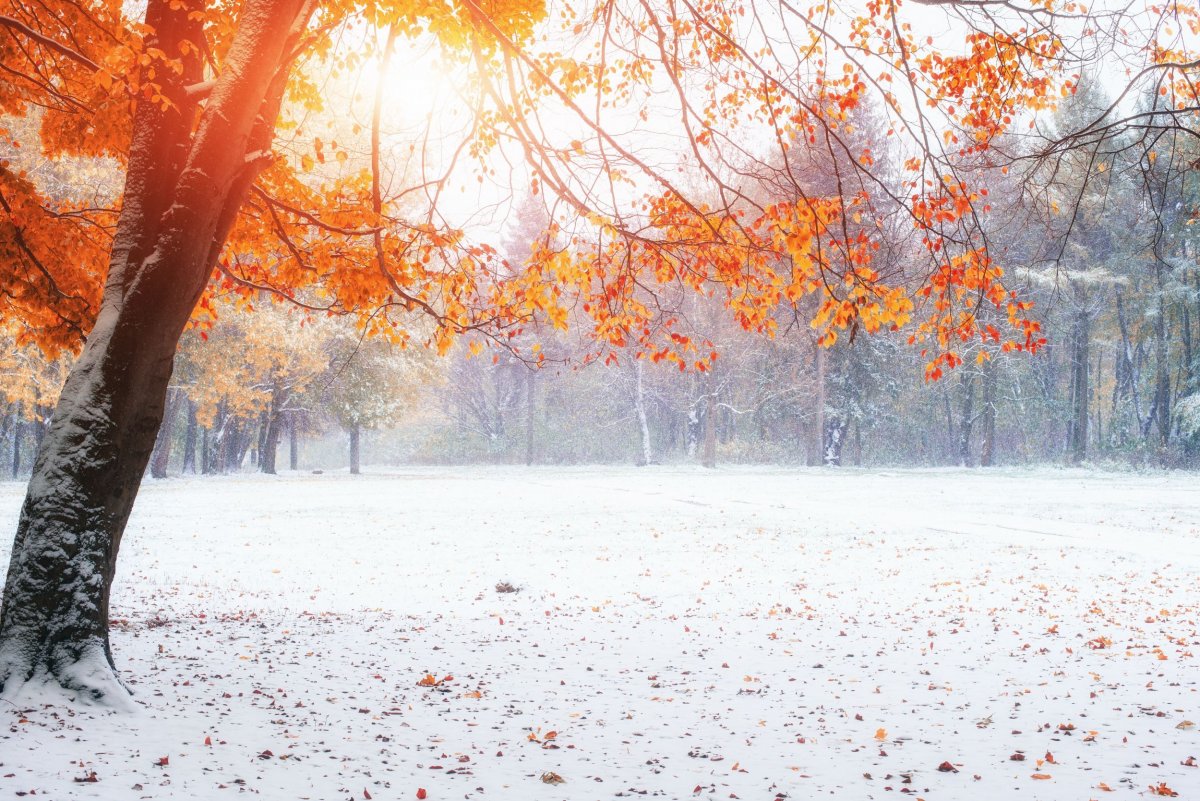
(331, 227)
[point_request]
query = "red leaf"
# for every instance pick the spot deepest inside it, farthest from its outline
(421, 792)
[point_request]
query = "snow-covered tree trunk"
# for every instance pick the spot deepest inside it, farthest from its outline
(189, 439)
(1077, 430)
(8, 425)
(293, 441)
(692, 432)
(708, 456)
(1128, 373)
(161, 457)
(987, 450)
(529, 417)
(835, 440)
(820, 447)
(1162, 365)
(18, 430)
(966, 421)
(184, 185)
(355, 449)
(55, 616)
(268, 448)
(270, 445)
(639, 403)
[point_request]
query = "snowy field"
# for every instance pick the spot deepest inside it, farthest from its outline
(744, 633)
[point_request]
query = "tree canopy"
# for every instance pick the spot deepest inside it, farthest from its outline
(658, 133)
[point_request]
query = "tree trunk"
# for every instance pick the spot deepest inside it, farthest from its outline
(836, 427)
(293, 441)
(1098, 407)
(241, 448)
(355, 450)
(225, 431)
(189, 439)
(966, 422)
(1162, 374)
(708, 457)
(18, 429)
(951, 440)
(184, 186)
(987, 449)
(206, 459)
(1185, 326)
(818, 446)
(39, 425)
(270, 445)
(259, 441)
(8, 425)
(161, 457)
(529, 416)
(1077, 428)
(639, 405)
(1127, 373)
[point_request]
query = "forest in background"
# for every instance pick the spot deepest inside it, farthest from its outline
(1114, 281)
(1115, 285)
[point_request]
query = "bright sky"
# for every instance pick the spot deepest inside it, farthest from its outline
(427, 118)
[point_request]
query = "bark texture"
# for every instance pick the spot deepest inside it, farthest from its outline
(187, 174)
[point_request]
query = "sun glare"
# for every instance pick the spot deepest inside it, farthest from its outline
(420, 84)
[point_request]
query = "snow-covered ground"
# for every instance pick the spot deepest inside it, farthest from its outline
(743, 633)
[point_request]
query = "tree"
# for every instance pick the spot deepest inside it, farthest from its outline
(190, 104)
(368, 383)
(30, 383)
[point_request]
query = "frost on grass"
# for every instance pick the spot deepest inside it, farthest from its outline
(745, 633)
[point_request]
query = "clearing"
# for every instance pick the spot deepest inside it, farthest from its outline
(750, 633)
